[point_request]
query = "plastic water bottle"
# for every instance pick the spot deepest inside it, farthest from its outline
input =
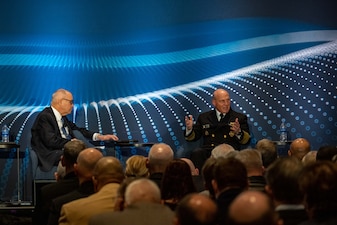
(283, 132)
(5, 133)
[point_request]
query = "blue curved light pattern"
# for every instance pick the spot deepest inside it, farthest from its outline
(97, 62)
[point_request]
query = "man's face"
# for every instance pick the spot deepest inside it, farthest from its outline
(222, 101)
(66, 104)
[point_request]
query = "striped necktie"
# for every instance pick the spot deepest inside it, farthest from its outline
(64, 131)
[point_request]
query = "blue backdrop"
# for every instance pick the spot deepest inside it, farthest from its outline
(136, 68)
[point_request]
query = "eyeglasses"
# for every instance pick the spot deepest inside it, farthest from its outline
(70, 101)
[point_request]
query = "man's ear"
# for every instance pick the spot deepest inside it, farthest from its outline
(62, 161)
(215, 186)
(176, 221)
(268, 190)
(147, 162)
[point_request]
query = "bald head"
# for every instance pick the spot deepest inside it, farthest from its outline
(252, 207)
(86, 162)
(142, 190)
(108, 170)
(221, 100)
(299, 148)
(196, 209)
(62, 101)
(159, 157)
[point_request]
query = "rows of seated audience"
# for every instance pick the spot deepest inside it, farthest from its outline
(248, 187)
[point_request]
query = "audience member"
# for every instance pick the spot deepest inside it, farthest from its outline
(107, 176)
(310, 157)
(120, 200)
(268, 150)
(83, 168)
(52, 130)
(215, 127)
(252, 208)
(283, 187)
(136, 166)
(326, 152)
(176, 183)
(196, 176)
(252, 160)
(207, 174)
(63, 186)
(299, 148)
(221, 150)
(196, 209)
(142, 207)
(318, 181)
(230, 179)
(60, 172)
(160, 155)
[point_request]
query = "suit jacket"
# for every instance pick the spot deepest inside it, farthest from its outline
(215, 133)
(142, 213)
(46, 139)
(81, 210)
(51, 191)
(85, 189)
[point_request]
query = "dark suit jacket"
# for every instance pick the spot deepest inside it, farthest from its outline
(86, 189)
(141, 213)
(46, 139)
(215, 133)
(49, 192)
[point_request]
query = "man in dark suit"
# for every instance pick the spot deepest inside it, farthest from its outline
(218, 126)
(83, 168)
(52, 130)
(142, 207)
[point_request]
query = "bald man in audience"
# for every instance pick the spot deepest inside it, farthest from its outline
(142, 207)
(83, 168)
(299, 148)
(251, 208)
(196, 209)
(160, 155)
(107, 176)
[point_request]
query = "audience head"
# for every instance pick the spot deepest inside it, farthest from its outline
(107, 170)
(310, 157)
(62, 101)
(318, 181)
(196, 209)
(159, 157)
(207, 174)
(221, 150)
(252, 208)
(120, 200)
(142, 190)
(60, 172)
(229, 173)
(194, 170)
(299, 148)
(282, 181)
(70, 153)
(252, 160)
(86, 162)
(136, 166)
(177, 180)
(326, 152)
(268, 150)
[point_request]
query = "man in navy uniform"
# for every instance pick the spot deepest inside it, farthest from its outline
(218, 126)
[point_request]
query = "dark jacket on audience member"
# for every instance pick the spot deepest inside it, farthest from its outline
(86, 189)
(49, 192)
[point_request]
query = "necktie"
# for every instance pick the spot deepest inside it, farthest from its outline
(64, 131)
(221, 116)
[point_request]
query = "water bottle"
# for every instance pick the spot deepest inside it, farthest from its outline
(5, 133)
(283, 132)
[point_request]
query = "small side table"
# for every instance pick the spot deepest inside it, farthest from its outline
(282, 147)
(13, 145)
